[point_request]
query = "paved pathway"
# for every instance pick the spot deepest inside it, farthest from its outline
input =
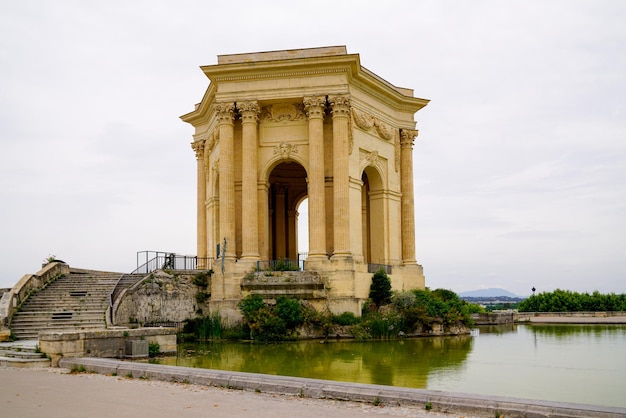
(53, 393)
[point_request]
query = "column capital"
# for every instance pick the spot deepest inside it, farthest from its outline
(225, 112)
(340, 105)
(314, 106)
(407, 137)
(198, 147)
(249, 111)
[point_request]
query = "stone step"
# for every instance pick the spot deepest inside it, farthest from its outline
(25, 322)
(22, 354)
(76, 301)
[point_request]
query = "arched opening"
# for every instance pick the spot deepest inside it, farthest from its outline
(287, 189)
(372, 217)
(303, 229)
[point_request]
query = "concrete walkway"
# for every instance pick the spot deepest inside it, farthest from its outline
(249, 386)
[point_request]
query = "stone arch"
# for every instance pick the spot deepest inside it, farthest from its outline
(287, 180)
(373, 212)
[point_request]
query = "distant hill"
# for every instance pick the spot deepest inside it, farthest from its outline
(492, 292)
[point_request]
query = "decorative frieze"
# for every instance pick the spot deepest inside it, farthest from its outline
(372, 158)
(368, 122)
(282, 112)
(285, 149)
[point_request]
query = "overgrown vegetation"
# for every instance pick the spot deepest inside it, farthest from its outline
(386, 315)
(568, 301)
(203, 329)
(271, 323)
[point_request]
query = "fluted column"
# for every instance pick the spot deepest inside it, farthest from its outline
(340, 108)
(314, 107)
(201, 245)
(225, 117)
(407, 137)
(249, 112)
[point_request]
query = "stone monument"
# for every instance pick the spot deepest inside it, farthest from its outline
(275, 128)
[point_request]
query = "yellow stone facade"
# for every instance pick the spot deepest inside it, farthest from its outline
(274, 128)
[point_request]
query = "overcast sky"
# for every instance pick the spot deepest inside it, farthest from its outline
(520, 165)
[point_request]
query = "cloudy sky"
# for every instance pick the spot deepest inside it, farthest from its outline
(520, 166)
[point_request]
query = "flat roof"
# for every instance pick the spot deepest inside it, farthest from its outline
(327, 51)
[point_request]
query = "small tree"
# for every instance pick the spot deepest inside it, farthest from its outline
(380, 289)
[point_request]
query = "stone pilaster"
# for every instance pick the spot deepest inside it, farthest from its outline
(314, 107)
(249, 112)
(407, 136)
(201, 245)
(225, 113)
(340, 108)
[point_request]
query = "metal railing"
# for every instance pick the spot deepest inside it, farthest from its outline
(149, 261)
(373, 268)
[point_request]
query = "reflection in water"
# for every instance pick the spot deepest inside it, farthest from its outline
(568, 363)
(405, 363)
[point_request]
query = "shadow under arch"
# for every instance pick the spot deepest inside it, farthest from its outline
(373, 212)
(287, 188)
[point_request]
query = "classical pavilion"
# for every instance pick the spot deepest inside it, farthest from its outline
(275, 128)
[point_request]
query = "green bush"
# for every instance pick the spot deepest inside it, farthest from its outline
(154, 349)
(250, 306)
(345, 318)
(380, 289)
(290, 311)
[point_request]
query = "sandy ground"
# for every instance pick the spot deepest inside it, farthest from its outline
(54, 393)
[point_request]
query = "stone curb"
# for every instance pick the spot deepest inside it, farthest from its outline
(325, 389)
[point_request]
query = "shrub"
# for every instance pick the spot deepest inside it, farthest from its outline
(202, 279)
(153, 349)
(290, 311)
(345, 318)
(380, 289)
(250, 306)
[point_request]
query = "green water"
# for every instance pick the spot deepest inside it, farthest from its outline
(569, 363)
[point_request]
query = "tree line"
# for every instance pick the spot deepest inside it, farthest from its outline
(568, 301)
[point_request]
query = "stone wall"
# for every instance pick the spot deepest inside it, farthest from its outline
(27, 285)
(102, 343)
(161, 297)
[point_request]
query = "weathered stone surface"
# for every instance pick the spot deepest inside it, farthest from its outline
(160, 297)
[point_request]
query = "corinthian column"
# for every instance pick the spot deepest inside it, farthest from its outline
(198, 147)
(407, 137)
(225, 119)
(249, 112)
(314, 107)
(340, 108)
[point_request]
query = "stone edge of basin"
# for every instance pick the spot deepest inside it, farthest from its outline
(440, 401)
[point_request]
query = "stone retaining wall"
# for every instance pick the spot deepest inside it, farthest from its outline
(27, 285)
(103, 343)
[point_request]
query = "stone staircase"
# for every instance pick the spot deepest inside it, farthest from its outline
(77, 301)
(22, 354)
